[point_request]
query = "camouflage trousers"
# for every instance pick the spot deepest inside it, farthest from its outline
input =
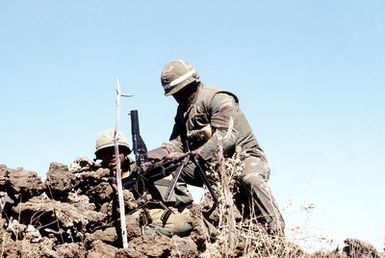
(177, 223)
(170, 217)
(254, 198)
(180, 198)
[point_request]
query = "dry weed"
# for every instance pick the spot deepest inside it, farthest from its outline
(238, 237)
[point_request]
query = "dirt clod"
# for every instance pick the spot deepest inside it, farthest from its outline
(44, 212)
(24, 184)
(59, 181)
(358, 248)
(150, 246)
(108, 236)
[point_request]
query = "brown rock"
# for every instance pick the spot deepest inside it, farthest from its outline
(6, 237)
(207, 205)
(51, 213)
(200, 233)
(24, 184)
(69, 250)
(147, 246)
(80, 201)
(100, 249)
(124, 253)
(107, 208)
(17, 229)
(357, 248)
(3, 177)
(129, 200)
(101, 192)
(108, 236)
(183, 247)
(43, 249)
(133, 225)
(97, 175)
(83, 163)
(59, 181)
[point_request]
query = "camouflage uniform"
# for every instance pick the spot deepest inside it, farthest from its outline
(171, 218)
(178, 223)
(168, 218)
(214, 108)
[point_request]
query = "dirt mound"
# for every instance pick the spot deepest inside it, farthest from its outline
(74, 214)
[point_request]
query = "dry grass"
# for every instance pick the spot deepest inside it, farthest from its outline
(237, 237)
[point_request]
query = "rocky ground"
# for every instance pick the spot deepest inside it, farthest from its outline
(74, 214)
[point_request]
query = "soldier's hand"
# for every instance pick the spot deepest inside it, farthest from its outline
(176, 155)
(157, 154)
(180, 155)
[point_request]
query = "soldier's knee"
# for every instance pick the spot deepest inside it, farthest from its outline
(256, 165)
(253, 180)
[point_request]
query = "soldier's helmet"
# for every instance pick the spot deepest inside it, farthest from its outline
(105, 140)
(176, 75)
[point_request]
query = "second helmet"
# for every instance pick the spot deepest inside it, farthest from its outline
(105, 139)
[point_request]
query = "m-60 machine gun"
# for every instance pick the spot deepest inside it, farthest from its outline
(150, 170)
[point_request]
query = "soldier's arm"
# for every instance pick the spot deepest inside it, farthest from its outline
(223, 108)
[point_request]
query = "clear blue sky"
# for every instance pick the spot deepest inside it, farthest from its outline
(310, 76)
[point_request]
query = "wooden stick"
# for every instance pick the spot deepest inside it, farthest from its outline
(119, 170)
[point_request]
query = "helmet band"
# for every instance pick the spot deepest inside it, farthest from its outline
(179, 80)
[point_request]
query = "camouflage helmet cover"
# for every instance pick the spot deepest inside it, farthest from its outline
(105, 139)
(176, 75)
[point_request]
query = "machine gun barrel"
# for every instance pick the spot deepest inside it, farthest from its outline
(138, 145)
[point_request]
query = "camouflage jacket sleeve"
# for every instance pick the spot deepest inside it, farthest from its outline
(222, 109)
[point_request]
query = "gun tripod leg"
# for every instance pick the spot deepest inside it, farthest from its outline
(208, 185)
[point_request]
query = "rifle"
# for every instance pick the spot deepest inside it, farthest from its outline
(152, 171)
(176, 175)
(138, 145)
